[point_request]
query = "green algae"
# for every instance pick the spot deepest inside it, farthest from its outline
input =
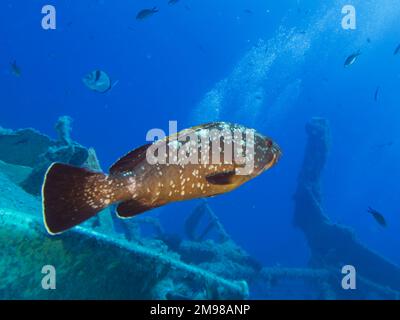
(90, 265)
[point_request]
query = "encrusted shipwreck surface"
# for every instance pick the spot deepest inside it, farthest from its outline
(92, 265)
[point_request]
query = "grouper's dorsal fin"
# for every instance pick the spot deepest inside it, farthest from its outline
(132, 208)
(223, 178)
(130, 160)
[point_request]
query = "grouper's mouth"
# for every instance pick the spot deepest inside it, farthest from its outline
(276, 155)
(277, 152)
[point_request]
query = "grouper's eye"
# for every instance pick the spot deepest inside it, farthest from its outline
(269, 143)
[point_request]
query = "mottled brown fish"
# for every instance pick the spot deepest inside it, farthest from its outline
(145, 13)
(199, 162)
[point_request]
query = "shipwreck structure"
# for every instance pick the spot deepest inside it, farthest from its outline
(332, 245)
(96, 261)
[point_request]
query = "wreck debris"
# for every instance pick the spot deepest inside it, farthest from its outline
(27, 248)
(22, 147)
(62, 150)
(332, 245)
(32, 153)
(64, 128)
(192, 223)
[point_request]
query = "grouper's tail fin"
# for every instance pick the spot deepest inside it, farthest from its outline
(72, 195)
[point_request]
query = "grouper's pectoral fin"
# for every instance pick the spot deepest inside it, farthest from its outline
(132, 208)
(224, 178)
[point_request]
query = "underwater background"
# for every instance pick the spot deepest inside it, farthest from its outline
(277, 67)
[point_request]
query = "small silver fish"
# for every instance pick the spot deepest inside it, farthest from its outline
(97, 80)
(378, 217)
(376, 95)
(352, 58)
(145, 13)
(15, 69)
(397, 50)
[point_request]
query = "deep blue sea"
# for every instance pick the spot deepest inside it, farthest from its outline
(268, 65)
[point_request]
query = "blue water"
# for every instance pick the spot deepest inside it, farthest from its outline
(167, 64)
